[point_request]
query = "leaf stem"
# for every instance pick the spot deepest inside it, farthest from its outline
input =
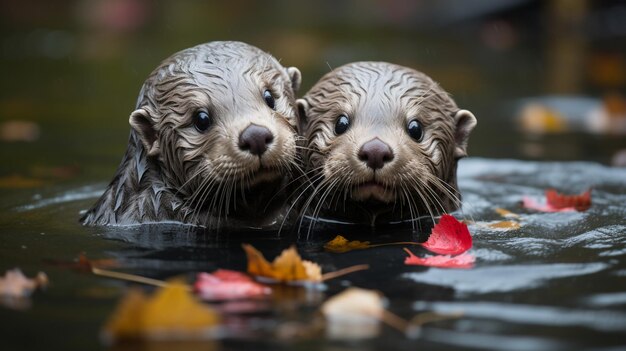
(128, 277)
(344, 271)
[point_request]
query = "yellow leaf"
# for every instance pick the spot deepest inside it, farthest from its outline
(506, 213)
(288, 266)
(504, 225)
(172, 312)
(340, 244)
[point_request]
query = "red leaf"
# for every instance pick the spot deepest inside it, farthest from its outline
(442, 261)
(225, 284)
(556, 202)
(580, 202)
(449, 236)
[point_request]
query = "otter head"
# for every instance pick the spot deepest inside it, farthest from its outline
(219, 120)
(382, 138)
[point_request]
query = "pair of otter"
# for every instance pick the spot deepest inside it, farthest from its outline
(216, 141)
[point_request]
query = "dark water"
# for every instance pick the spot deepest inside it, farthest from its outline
(73, 69)
(556, 283)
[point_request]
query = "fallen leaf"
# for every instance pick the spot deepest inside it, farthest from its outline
(501, 225)
(340, 244)
(556, 202)
(170, 313)
(506, 213)
(290, 267)
(449, 236)
(353, 314)
(15, 284)
(580, 202)
(287, 267)
(442, 261)
(225, 284)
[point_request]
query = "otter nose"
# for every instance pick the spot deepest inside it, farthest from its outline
(375, 153)
(255, 139)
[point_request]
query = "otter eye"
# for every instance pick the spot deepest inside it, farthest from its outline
(342, 124)
(201, 121)
(415, 130)
(269, 99)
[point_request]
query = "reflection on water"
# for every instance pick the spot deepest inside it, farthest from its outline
(554, 283)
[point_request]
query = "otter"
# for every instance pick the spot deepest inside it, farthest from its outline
(382, 145)
(213, 137)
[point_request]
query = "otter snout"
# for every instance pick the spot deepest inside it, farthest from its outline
(375, 154)
(255, 139)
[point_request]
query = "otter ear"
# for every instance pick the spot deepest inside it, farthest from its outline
(303, 108)
(295, 77)
(141, 122)
(464, 122)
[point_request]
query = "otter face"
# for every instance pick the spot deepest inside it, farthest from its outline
(384, 138)
(220, 119)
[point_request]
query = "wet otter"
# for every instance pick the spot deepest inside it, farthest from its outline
(383, 143)
(213, 136)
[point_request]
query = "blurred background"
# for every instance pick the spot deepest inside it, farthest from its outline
(546, 79)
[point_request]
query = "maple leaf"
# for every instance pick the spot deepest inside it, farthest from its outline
(288, 266)
(464, 260)
(449, 236)
(14, 284)
(225, 284)
(556, 202)
(170, 313)
(340, 244)
(580, 202)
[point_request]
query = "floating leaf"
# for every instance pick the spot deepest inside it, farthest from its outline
(14, 284)
(442, 261)
(288, 266)
(449, 236)
(225, 284)
(170, 313)
(353, 314)
(580, 202)
(506, 213)
(501, 225)
(340, 244)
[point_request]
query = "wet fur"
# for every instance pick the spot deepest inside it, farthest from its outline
(172, 172)
(380, 99)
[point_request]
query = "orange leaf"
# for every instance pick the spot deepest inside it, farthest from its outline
(287, 267)
(340, 244)
(170, 313)
(504, 225)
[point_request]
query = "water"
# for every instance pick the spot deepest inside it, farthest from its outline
(559, 282)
